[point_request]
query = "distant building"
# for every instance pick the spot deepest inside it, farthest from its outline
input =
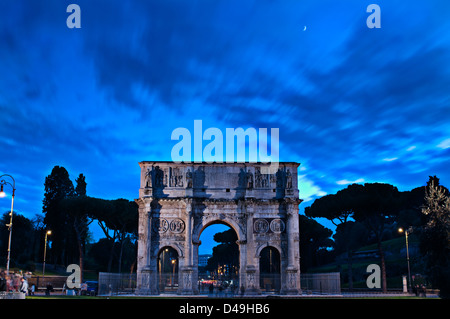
(203, 260)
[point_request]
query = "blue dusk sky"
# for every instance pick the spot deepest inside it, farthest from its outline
(352, 104)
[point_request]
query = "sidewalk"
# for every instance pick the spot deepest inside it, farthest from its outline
(273, 296)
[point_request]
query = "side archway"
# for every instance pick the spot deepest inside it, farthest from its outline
(270, 269)
(167, 268)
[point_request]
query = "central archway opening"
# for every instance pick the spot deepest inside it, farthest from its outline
(218, 260)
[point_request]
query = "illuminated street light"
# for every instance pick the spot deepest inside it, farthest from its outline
(401, 230)
(48, 232)
(173, 273)
(2, 195)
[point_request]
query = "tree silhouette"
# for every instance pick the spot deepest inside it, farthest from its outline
(435, 236)
(376, 206)
(117, 218)
(226, 253)
(80, 189)
(314, 238)
(339, 208)
(57, 187)
(373, 204)
(78, 217)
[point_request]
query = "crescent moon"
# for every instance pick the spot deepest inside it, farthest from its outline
(304, 29)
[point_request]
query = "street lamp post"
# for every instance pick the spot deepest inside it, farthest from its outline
(48, 232)
(401, 230)
(3, 194)
(172, 280)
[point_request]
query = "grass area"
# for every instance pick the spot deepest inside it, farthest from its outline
(375, 296)
(105, 297)
(86, 297)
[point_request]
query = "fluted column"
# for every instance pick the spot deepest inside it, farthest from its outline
(292, 278)
(188, 275)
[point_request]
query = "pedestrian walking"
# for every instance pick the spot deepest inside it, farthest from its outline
(24, 286)
(211, 289)
(16, 282)
(49, 289)
(9, 283)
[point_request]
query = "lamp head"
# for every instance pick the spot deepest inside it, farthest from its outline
(400, 230)
(2, 193)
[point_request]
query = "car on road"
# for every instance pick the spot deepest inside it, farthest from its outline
(89, 288)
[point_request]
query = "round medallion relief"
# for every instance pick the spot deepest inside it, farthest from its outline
(277, 226)
(163, 225)
(177, 226)
(261, 226)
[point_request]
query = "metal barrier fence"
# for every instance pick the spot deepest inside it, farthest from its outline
(116, 283)
(321, 283)
(270, 283)
(41, 282)
(168, 283)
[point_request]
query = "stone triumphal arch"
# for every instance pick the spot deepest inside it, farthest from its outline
(177, 201)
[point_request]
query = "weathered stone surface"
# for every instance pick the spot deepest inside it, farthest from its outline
(177, 201)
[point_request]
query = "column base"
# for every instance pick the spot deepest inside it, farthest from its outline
(146, 282)
(292, 284)
(251, 282)
(186, 281)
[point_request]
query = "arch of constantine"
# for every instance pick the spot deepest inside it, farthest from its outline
(177, 201)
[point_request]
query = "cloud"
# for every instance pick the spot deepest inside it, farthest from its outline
(347, 182)
(390, 159)
(308, 190)
(444, 144)
(101, 98)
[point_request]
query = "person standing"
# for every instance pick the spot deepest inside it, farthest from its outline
(33, 289)
(2, 281)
